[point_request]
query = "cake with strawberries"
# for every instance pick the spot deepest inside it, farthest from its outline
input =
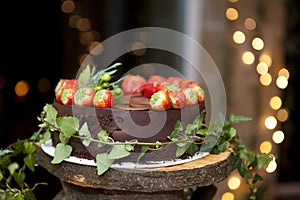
(133, 119)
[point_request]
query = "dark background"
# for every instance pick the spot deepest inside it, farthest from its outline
(35, 40)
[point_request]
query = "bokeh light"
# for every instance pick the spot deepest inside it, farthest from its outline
(265, 147)
(284, 72)
(265, 79)
(22, 88)
(250, 24)
(44, 85)
(232, 14)
(248, 58)
(275, 102)
(262, 68)
(272, 166)
(227, 196)
(266, 59)
(270, 122)
(282, 115)
(239, 37)
(258, 43)
(281, 82)
(68, 6)
(234, 183)
(278, 137)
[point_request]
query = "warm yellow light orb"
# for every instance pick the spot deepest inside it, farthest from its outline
(284, 72)
(257, 43)
(278, 137)
(271, 167)
(266, 59)
(250, 24)
(232, 14)
(21, 88)
(270, 122)
(262, 68)
(248, 58)
(282, 115)
(239, 37)
(281, 82)
(234, 183)
(233, 1)
(265, 147)
(227, 196)
(265, 79)
(275, 102)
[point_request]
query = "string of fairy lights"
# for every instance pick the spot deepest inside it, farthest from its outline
(263, 68)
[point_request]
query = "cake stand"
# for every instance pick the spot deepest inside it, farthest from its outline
(167, 183)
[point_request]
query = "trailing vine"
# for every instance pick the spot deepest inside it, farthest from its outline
(221, 136)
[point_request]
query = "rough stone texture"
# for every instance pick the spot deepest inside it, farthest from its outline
(155, 183)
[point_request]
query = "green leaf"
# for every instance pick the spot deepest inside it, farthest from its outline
(5, 151)
(193, 148)
(29, 147)
(144, 149)
(177, 128)
(62, 151)
(19, 178)
(84, 76)
(103, 137)
(68, 125)
(239, 118)
(129, 147)
(103, 163)
(84, 132)
(263, 160)
(12, 167)
(29, 161)
(63, 139)
(29, 195)
(189, 128)
(51, 113)
(256, 178)
(181, 149)
(118, 151)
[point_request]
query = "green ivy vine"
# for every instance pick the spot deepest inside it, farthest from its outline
(221, 136)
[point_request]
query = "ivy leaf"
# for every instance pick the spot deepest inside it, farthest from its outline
(12, 167)
(63, 139)
(29, 161)
(29, 147)
(103, 138)
(256, 178)
(84, 76)
(19, 178)
(144, 149)
(62, 151)
(181, 148)
(68, 125)
(85, 133)
(103, 163)
(263, 160)
(239, 118)
(177, 128)
(118, 151)
(189, 128)
(5, 151)
(193, 148)
(51, 113)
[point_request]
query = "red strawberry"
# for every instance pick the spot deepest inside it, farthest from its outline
(191, 96)
(84, 96)
(67, 96)
(103, 99)
(199, 92)
(160, 101)
(188, 84)
(174, 80)
(177, 99)
(156, 79)
(150, 88)
(133, 84)
(64, 84)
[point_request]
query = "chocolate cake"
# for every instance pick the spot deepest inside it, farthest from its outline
(111, 119)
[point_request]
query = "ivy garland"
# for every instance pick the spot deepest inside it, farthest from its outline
(12, 175)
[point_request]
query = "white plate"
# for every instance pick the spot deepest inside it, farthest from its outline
(49, 149)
